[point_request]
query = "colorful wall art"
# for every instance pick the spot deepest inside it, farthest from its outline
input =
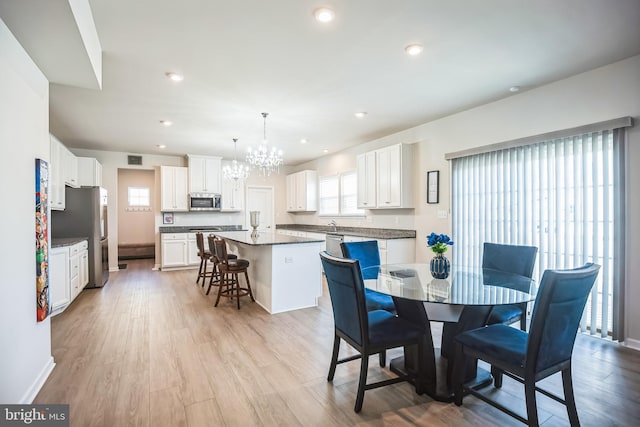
(42, 240)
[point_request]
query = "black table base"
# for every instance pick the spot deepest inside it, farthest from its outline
(433, 372)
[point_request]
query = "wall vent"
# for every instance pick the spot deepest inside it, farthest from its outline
(134, 160)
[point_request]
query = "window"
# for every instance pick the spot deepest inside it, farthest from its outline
(338, 195)
(138, 196)
(564, 196)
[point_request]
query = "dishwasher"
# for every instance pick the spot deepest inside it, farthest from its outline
(333, 244)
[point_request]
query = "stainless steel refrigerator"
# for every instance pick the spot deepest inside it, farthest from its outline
(85, 215)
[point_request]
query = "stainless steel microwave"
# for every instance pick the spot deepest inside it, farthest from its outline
(204, 202)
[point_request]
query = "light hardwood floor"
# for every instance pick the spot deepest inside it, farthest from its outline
(150, 349)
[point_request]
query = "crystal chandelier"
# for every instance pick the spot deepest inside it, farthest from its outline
(264, 159)
(235, 171)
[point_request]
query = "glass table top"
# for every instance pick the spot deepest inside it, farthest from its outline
(463, 286)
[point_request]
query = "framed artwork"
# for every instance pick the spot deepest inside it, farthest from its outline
(167, 218)
(433, 187)
(43, 307)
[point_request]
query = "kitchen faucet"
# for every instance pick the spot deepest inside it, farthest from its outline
(333, 223)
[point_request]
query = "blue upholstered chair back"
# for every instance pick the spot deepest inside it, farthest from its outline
(346, 290)
(515, 259)
(556, 314)
(366, 253)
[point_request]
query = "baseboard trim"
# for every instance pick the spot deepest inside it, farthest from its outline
(33, 391)
(631, 343)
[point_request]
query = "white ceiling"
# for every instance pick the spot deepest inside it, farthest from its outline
(241, 58)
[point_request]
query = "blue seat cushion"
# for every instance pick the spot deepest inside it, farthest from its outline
(387, 329)
(506, 314)
(378, 301)
(498, 342)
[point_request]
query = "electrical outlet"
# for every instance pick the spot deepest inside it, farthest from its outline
(288, 260)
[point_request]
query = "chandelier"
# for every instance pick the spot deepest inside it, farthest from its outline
(235, 171)
(264, 159)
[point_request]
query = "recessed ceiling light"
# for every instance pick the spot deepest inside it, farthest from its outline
(303, 141)
(414, 49)
(324, 14)
(325, 151)
(166, 123)
(175, 76)
(161, 146)
(360, 114)
(514, 88)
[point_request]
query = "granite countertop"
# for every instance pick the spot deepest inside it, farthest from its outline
(263, 238)
(58, 242)
(374, 233)
(194, 228)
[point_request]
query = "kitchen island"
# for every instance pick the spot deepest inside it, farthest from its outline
(285, 271)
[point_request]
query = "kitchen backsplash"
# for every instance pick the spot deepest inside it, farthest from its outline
(208, 218)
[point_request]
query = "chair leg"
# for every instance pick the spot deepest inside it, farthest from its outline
(246, 275)
(334, 357)
(200, 272)
(532, 409)
(497, 376)
(223, 283)
(383, 358)
(458, 374)
(364, 366)
(523, 317)
(214, 275)
(570, 401)
(235, 279)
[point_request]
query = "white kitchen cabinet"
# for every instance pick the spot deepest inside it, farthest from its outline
(302, 191)
(56, 178)
(70, 167)
(68, 274)
(204, 174)
(173, 185)
(192, 249)
(366, 171)
(174, 250)
(89, 172)
(59, 286)
(232, 196)
(392, 180)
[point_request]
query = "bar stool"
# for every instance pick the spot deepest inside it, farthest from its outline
(215, 274)
(228, 269)
(205, 256)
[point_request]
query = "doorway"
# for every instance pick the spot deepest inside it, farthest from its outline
(136, 218)
(260, 198)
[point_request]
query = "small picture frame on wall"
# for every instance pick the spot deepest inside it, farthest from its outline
(433, 187)
(167, 218)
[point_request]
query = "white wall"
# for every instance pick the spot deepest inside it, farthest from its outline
(25, 345)
(605, 93)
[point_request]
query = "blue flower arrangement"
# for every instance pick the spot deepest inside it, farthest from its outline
(439, 243)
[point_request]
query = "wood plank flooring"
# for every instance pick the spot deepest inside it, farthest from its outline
(149, 349)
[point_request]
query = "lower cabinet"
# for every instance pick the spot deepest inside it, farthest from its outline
(68, 274)
(179, 250)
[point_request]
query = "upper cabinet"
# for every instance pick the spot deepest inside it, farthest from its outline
(366, 171)
(302, 191)
(232, 196)
(173, 185)
(391, 179)
(70, 167)
(56, 180)
(204, 174)
(89, 172)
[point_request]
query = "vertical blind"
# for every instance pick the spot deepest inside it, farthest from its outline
(564, 196)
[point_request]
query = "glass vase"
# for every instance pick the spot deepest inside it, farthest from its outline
(440, 266)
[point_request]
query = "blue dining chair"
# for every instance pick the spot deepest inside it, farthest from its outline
(369, 332)
(531, 357)
(369, 256)
(515, 259)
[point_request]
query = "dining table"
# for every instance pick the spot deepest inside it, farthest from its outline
(462, 301)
